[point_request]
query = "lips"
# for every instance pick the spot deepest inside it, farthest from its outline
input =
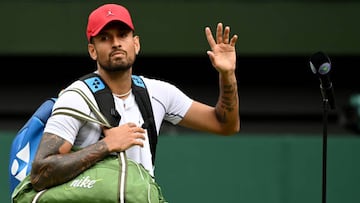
(118, 53)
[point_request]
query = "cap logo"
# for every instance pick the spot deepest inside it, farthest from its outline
(109, 13)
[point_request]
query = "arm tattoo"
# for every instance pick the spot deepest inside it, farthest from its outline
(52, 168)
(228, 101)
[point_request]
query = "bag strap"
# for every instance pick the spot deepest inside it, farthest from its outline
(102, 121)
(103, 97)
(142, 98)
(80, 115)
(105, 101)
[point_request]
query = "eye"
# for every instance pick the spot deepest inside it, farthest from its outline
(123, 34)
(104, 37)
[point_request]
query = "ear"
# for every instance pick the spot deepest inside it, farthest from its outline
(92, 52)
(137, 44)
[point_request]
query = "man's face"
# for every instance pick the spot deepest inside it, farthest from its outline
(115, 47)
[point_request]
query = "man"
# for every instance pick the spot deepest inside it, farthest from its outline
(113, 45)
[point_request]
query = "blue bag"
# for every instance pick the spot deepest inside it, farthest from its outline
(26, 142)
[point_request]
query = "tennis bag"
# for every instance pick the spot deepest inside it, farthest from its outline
(103, 182)
(26, 142)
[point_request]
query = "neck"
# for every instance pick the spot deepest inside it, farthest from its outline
(123, 95)
(119, 83)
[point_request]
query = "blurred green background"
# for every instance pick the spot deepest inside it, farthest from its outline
(263, 26)
(269, 168)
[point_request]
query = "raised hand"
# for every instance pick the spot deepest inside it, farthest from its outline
(222, 54)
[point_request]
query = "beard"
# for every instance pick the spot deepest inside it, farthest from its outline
(117, 65)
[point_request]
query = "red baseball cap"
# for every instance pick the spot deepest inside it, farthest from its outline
(105, 14)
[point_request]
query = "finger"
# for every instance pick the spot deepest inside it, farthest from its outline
(226, 34)
(131, 124)
(140, 136)
(139, 139)
(233, 40)
(209, 37)
(219, 34)
(139, 142)
(138, 130)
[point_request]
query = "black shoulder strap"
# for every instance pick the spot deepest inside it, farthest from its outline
(103, 97)
(142, 98)
(105, 101)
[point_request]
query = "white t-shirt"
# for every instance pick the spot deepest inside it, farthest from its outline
(168, 102)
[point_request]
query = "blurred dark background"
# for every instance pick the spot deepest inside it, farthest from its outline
(277, 93)
(44, 48)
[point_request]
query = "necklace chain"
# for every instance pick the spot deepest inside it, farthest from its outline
(123, 95)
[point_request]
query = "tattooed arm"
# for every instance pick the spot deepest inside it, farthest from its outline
(224, 118)
(54, 164)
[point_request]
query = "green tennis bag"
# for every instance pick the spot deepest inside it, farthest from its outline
(114, 179)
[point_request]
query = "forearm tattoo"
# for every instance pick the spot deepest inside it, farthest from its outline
(52, 168)
(228, 101)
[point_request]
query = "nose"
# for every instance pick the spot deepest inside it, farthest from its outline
(117, 42)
